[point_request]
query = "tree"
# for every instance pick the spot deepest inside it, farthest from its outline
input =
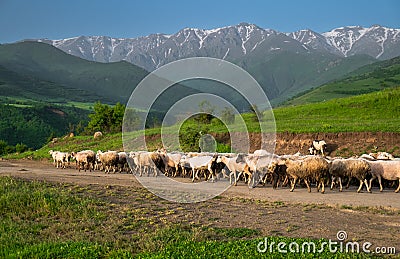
(206, 111)
(20, 148)
(105, 118)
(227, 115)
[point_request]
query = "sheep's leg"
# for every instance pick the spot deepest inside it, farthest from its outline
(323, 186)
(308, 185)
(285, 181)
(212, 175)
(193, 174)
(348, 183)
(275, 180)
(380, 183)
(293, 183)
(340, 184)
(398, 188)
(333, 182)
(361, 185)
(366, 185)
(230, 178)
(237, 177)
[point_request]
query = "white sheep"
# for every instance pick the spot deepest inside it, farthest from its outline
(201, 162)
(389, 170)
(317, 146)
(235, 168)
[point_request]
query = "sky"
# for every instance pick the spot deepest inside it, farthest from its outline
(57, 19)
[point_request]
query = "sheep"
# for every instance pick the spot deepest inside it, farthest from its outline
(277, 168)
(53, 155)
(317, 146)
(261, 152)
(308, 168)
(257, 168)
(235, 168)
(147, 161)
(122, 161)
(84, 158)
(60, 159)
(389, 170)
(171, 161)
(350, 167)
(382, 156)
(201, 162)
(97, 135)
(109, 160)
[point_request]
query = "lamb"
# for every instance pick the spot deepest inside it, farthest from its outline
(85, 158)
(236, 168)
(389, 170)
(307, 169)
(317, 146)
(350, 167)
(109, 160)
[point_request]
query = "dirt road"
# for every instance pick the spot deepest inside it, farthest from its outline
(45, 171)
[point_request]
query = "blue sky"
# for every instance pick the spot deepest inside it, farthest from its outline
(62, 19)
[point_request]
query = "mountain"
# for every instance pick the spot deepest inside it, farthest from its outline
(113, 81)
(367, 79)
(231, 43)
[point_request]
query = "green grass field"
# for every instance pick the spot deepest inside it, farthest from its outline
(42, 220)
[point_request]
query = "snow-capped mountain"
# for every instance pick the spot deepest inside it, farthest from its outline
(376, 41)
(232, 43)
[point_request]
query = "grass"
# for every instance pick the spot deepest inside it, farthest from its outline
(370, 78)
(42, 220)
(373, 112)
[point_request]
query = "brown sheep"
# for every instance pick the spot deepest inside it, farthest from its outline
(351, 167)
(310, 168)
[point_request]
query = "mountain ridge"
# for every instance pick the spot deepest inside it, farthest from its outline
(230, 43)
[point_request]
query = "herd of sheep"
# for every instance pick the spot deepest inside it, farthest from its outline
(259, 167)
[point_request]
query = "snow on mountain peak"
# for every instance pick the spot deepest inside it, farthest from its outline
(230, 42)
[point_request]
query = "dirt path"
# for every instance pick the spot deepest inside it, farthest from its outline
(35, 170)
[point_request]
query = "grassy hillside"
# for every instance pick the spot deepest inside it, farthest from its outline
(378, 111)
(286, 74)
(374, 112)
(367, 79)
(42, 61)
(17, 86)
